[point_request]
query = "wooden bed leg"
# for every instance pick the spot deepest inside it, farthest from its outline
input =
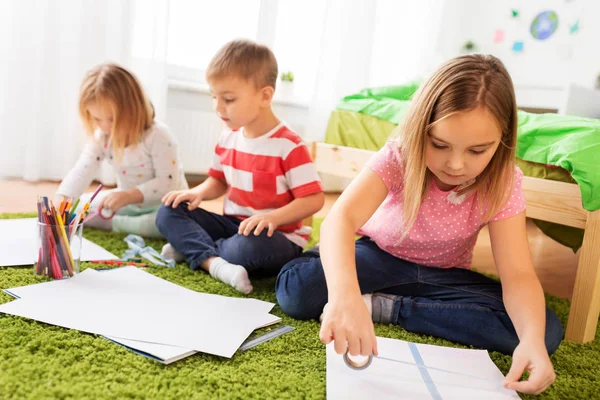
(585, 304)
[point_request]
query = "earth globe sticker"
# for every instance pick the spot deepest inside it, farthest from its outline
(544, 25)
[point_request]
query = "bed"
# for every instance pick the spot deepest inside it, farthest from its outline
(560, 156)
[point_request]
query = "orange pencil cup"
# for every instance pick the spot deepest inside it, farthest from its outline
(59, 250)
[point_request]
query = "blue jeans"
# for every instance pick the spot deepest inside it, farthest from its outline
(200, 234)
(456, 304)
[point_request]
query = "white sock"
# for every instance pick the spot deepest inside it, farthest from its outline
(172, 253)
(231, 274)
(366, 298)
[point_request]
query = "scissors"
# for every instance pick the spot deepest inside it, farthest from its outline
(358, 366)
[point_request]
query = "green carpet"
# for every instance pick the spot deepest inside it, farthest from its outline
(41, 361)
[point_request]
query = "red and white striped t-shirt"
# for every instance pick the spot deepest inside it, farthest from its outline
(265, 173)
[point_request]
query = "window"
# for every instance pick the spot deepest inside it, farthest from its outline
(404, 41)
(197, 29)
(292, 29)
(297, 42)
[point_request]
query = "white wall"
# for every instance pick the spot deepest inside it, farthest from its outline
(586, 55)
(561, 59)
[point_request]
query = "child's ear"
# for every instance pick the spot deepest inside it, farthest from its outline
(267, 95)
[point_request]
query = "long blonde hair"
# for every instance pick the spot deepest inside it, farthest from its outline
(116, 90)
(461, 84)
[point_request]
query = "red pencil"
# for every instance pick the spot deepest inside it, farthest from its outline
(115, 262)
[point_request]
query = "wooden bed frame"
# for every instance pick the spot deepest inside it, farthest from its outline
(547, 200)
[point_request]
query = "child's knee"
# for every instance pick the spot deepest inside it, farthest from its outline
(245, 250)
(293, 293)
(238, 249)
(289, 295)
(164, 216)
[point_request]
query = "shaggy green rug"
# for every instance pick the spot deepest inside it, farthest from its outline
(41, 361)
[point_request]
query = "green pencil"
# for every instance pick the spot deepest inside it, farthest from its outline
(74, 206)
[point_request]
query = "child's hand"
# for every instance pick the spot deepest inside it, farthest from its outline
(349, 324)
(59, 199)
(115, 200)
(533, 358)
(260, 222)
(177, 197)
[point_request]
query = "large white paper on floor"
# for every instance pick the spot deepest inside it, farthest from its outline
(417, 371)
(162, 352)
(145, 283)
(130, 304)
(18, 244)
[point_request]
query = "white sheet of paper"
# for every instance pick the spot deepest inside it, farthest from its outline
(18, 244)
(122, 304)
(445, 373)
(166, 353)
(146, 284)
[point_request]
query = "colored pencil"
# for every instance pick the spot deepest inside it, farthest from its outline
(115, 262)
(56, 230)
(96, 193)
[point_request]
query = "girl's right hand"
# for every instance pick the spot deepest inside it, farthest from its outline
(348, 323)
(177, 197)
(58, 199)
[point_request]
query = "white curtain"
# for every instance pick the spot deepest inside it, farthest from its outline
(406, 40)
(344, 57)
(46, 48)
(371, 43)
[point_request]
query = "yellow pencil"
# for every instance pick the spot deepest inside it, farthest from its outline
(64, 243)
(66, 246)
(86, 207)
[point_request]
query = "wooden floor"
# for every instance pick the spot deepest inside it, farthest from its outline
(555, 264)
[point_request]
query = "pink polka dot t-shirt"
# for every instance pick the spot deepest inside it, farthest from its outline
(444, 233)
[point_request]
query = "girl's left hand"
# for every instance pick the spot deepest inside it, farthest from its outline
(260, 222)
(116, 200)
(534, 358)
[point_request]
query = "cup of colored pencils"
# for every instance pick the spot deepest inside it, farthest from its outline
(59, 237)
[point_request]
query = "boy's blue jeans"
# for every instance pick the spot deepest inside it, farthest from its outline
(200, 234)
(456, 304)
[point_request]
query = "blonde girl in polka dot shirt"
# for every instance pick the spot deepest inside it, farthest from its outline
(119, 118)
(419, 204)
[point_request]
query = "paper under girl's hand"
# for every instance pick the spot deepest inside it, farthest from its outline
(531, 357)
(260, 222)
(348, 323)
(177, 197)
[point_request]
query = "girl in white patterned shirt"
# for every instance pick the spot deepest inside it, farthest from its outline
(119, 117)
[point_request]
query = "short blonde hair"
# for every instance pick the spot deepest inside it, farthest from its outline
(116, 91)
(461, 84)
(247, 60)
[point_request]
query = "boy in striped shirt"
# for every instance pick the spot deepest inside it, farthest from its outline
(262, 167)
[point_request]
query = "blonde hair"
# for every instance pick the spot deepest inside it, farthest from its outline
(116, 91)
(461, 84)
(247, 60)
